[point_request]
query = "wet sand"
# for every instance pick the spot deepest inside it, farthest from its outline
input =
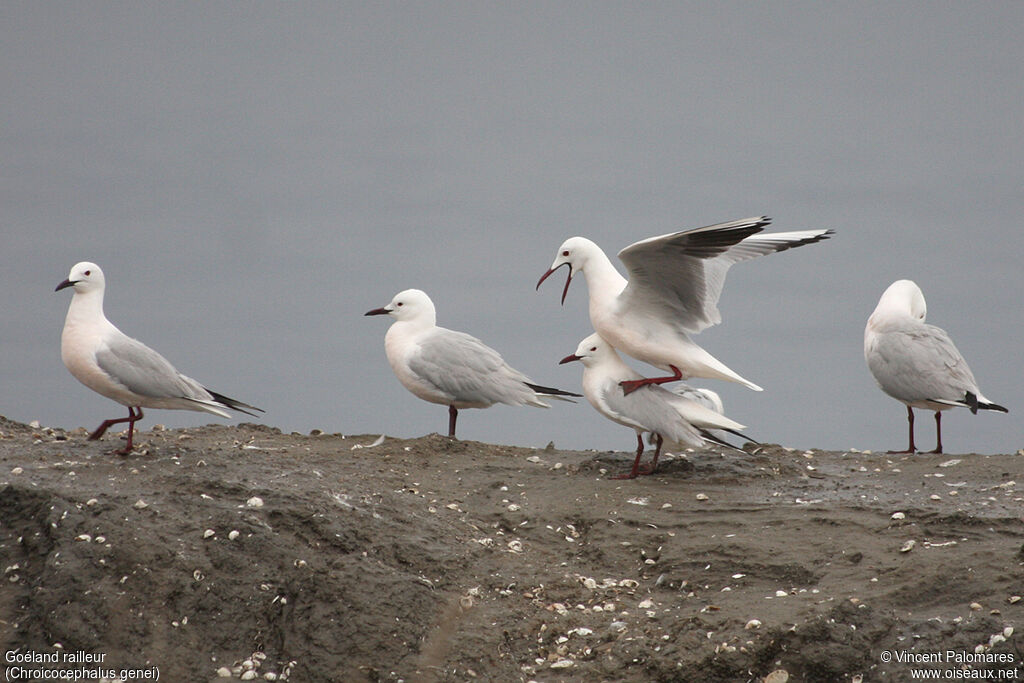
(317, 558)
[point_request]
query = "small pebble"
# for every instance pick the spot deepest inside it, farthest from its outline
(208, 533)
(140, 504)
(752, 624)
(254, 502)
(975, 606)
(701, 496)
(224, 672)
(233, 534)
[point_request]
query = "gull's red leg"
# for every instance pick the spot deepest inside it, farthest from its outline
(910, 419)
(631, 385)
(938, 432)
(658, 440)
(636, 463)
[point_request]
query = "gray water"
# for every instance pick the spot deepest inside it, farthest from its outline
(254, 177)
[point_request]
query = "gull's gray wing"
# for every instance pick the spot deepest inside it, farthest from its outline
(679, 277)
(650, 409)
(914, 361)
(467, 370)
(145, 372)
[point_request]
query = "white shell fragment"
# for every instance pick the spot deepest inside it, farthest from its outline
(908, 546)
(254, 502)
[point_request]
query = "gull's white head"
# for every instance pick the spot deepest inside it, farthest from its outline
(84, 277)
(410, 304)
(591, 351)
(575, 252)
(902, 298)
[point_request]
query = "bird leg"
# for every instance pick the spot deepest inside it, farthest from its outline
(132, 418)
(453, 415)
(636, 463)
(911, 448)
(631, 385)
(938, 433)
(657, 451)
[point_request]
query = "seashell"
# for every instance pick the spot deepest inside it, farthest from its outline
(208, 533)
(254, 502)
(752, 624)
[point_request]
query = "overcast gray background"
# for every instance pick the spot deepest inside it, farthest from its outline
(253, 177)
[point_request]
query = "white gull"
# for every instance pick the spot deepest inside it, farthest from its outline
(675, 281)
(123, 369)
(667, 415)
(448, 367)
(916, 363)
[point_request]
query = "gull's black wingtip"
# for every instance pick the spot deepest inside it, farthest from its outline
(235, 404)
(550, 391)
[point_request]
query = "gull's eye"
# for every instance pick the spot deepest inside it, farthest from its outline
(88, 272)
(565, 253)
(593, 348)
(399, 304)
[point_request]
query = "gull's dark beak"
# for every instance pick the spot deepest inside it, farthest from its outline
(565, 290)
(64, 285)
(377, 311)
(568, 359)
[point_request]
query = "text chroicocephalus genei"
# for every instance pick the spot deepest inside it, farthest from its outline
(448, 367)
(675, 281)
(123, 369)
(917, 363)
(667, 415)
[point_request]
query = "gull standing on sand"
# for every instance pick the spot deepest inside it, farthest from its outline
(123, 369)
(916, 363)
(451, 368)
(675, 281)
(667, 415)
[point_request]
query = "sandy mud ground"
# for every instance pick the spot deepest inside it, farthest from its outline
(246, 553)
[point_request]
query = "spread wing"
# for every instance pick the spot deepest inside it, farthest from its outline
(679, 277)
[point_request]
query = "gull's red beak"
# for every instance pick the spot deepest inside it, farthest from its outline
(565, 290)
(568, 359)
